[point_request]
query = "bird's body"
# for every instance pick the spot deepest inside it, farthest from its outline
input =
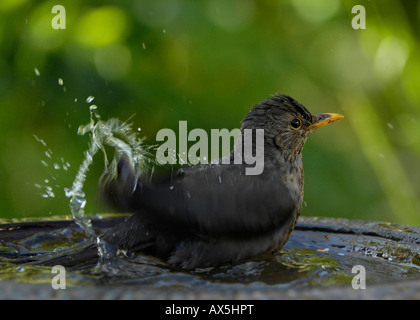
(210, 214)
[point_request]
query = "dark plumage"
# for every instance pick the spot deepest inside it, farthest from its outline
(210, 214)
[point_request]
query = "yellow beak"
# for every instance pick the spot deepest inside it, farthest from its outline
(324, 119)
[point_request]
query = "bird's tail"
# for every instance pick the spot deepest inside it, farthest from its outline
(117, 184)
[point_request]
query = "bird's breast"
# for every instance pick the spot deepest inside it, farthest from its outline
(291, 173)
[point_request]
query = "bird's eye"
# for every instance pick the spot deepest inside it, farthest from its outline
(296, 123)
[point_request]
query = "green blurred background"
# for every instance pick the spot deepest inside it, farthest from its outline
(208, 62)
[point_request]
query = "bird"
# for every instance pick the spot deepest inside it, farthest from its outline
(206, 215)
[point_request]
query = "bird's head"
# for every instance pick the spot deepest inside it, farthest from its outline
(286, 123)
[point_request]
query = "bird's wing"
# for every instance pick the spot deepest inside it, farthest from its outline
(217, 200)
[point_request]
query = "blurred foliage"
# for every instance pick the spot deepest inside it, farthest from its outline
(208, 62)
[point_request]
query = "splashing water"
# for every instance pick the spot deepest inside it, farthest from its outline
(116, 134)
(48, 185)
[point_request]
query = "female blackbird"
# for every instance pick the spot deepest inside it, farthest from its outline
(209, 214)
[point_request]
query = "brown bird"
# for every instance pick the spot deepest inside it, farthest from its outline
(210, 214)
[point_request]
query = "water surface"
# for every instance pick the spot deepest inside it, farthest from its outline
(310, 258)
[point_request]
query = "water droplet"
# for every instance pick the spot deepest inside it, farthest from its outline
(90, 99)
(390, 125)
(56, 166)
(40, 140)
(66, 166)
(171, 187)
(60, 81)
(37, 73)
(75, 99)
(143, 45)
(68, 192)
(20, 269)
(44, 163)
(220, 179)
(121, 253)
(93, 107)
(48, 192)
(164, 30)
